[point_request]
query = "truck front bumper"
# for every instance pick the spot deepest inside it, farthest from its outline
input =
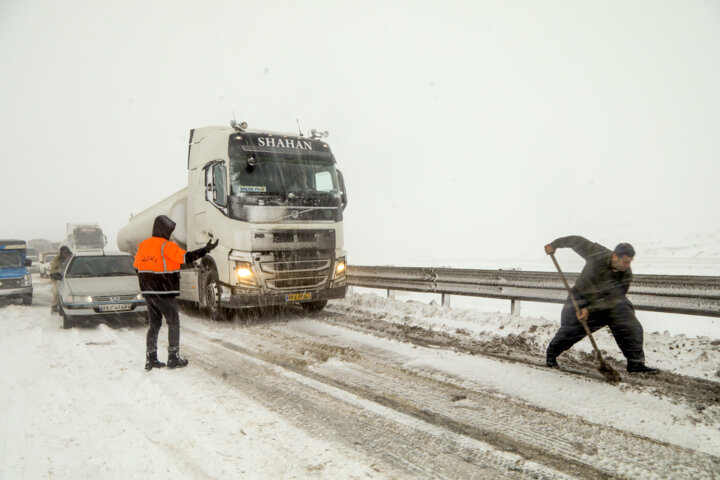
(239, 300)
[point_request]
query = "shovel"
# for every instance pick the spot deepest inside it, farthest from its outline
(610, 375)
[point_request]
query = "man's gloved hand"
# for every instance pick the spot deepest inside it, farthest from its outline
(210, 245)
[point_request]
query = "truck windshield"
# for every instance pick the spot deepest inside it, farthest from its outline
(281, 175)
(11, 259)
(92, 238)
(101, 266)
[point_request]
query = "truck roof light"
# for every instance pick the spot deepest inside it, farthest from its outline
(318, 134)
(241, 126)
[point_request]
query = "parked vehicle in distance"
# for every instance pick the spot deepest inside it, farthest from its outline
(85, 236)
(45, 261)
(32, 255)
(15, 278)
(97, 285)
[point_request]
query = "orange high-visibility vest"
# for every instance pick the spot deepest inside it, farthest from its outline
(158, 255)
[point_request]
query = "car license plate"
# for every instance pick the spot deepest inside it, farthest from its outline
(294, 297)
(115, 307)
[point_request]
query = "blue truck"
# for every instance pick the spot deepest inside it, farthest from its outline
(15, 278)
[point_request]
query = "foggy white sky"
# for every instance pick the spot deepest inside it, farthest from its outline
(462, 128)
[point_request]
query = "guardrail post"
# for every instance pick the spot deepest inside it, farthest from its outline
(514, 307)
(446, 300)
(390, 293)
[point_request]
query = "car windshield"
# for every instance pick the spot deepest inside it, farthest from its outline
(48, 258)
(10, 259)
(281, 175)
(101, 266)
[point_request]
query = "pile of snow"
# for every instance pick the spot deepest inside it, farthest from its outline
(692, 356)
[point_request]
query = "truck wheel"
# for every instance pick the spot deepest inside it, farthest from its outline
(212, 290)
(27, 300)
(315, 306)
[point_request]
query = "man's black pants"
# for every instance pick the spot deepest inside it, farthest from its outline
(623, 324)
(159, 305)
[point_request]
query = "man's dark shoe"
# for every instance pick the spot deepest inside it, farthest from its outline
(54, 309)
(641, 368)
(174, 360)
(152, 361)
(551, 361)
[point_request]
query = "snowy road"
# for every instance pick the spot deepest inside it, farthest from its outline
(408, 392)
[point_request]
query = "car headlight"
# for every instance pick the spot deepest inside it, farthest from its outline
(244, 273)
(139, 296)
(27, 280)
(339, 268)
(67, 298)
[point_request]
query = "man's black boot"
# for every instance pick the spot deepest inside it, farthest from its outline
(641, 368)
(152, 361)
(551, 361)
(174, 360)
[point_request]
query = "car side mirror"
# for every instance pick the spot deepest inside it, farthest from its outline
(28, 262)
(56, 276)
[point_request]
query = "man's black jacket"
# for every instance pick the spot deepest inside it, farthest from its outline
(598, 287)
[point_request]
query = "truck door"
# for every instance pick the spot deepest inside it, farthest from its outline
(215, 187)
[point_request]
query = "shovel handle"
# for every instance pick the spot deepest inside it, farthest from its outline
(577, 310)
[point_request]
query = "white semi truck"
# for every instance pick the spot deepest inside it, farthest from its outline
(84, 237)
(274, 201)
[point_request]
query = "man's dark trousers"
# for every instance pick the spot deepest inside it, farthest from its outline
(159, 305)
(623, 324)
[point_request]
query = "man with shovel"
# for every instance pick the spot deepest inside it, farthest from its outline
(600, 292)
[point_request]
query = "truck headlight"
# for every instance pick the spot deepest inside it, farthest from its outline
(27, 280)
(339, 268)
(244, 273)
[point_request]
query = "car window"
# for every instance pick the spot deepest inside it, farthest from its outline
(101, 266)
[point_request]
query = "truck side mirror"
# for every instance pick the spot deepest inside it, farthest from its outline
(343, 192)
(28, 262)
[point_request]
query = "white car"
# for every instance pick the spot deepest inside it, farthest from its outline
(99, 285)
(44, 265)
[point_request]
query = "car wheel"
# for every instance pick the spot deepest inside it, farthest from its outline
(212, 291)
(67, 323)
(27, 300)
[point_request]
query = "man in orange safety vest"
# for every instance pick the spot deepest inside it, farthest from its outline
(158, 263)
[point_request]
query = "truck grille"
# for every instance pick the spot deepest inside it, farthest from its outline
(296, 274)
(11, 283)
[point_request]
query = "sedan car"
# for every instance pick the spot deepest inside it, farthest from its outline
(44, 265)
(99, 285)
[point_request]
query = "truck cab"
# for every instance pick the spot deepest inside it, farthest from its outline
(15, 278)
(275, 203)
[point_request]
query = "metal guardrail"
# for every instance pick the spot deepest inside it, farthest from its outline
(692, 295)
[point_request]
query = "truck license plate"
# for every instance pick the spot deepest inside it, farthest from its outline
(294, 297)
(115, 307)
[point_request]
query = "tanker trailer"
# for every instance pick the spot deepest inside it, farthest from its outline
(274, 201)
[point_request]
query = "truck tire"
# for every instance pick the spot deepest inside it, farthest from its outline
(212, 290)
(27, 299)
(315, 306)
